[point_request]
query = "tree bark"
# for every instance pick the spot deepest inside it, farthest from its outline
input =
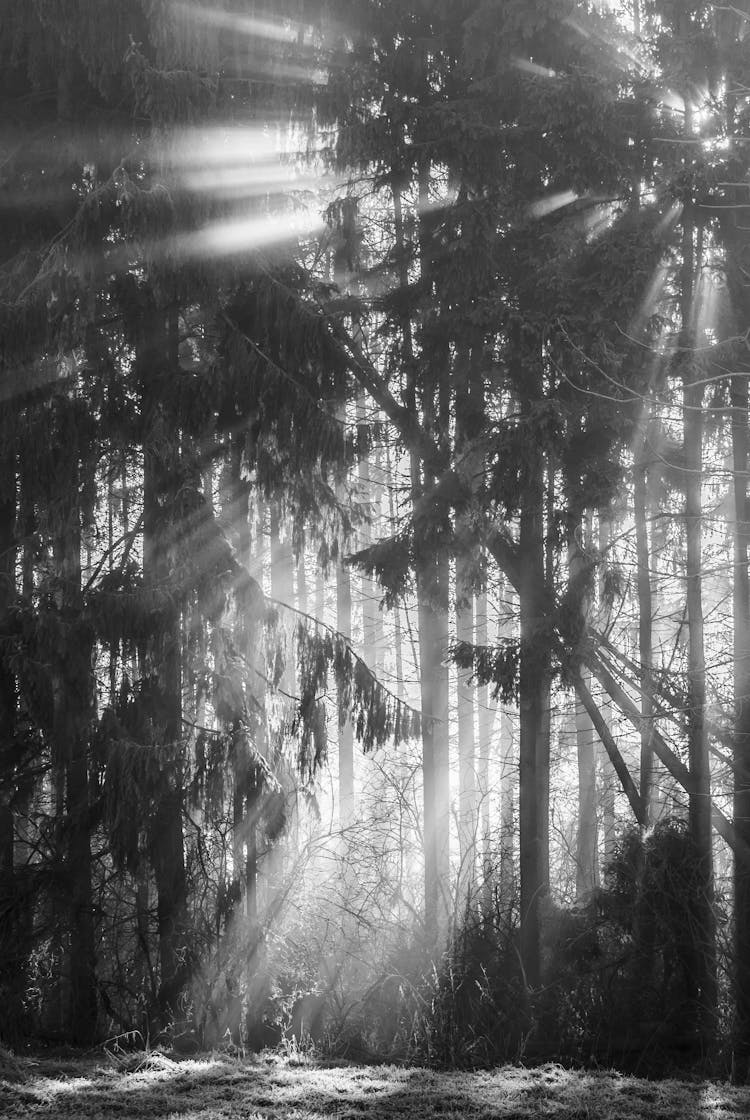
(699, 812)
(534, 681)
(14, 945)
(645, 651)
(73, 711)
(741, 750)
(157, 356)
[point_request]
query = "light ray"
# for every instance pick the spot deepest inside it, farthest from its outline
(597, 221)
(649, 301)
(257, 27)
(242, 235)
(262, 29)
(238, 163)
(668, 220)
(705, 307)
(551, 202)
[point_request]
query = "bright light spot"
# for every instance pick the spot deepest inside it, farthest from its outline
(533, 68)
(47, 1088)
(672, 100)
(552, 202)
(223, 239)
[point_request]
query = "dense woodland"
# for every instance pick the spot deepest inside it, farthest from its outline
(374, 528)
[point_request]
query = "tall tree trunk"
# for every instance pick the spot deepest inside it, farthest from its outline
(73, 711)
(706, 993)
(157, 357)
(534, 681)
(434, 682)
(13, 930)
(469, 417)
(433, 606)
(741, 746)
(730, 25)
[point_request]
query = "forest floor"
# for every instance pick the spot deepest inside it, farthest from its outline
(277, 1088)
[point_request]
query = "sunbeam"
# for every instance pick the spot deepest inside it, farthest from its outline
(238, 163)
(649, 301)
(551, 202)
(266, 31)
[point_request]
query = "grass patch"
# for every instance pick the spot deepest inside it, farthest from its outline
(273, 1088)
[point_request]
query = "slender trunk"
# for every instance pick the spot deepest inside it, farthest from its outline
(346, 731)
(509, 767)
(282, 588)
(587, 866)
(485, 721)
(508, 830)
(645, 651)
(607, 775)
(372, 618)
(7, 680)
(644, 931)
(432, 592)
(467, 778)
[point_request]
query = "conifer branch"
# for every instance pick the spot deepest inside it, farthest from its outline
(348, 646)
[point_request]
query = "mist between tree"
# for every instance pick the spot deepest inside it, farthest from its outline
(374, 598)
